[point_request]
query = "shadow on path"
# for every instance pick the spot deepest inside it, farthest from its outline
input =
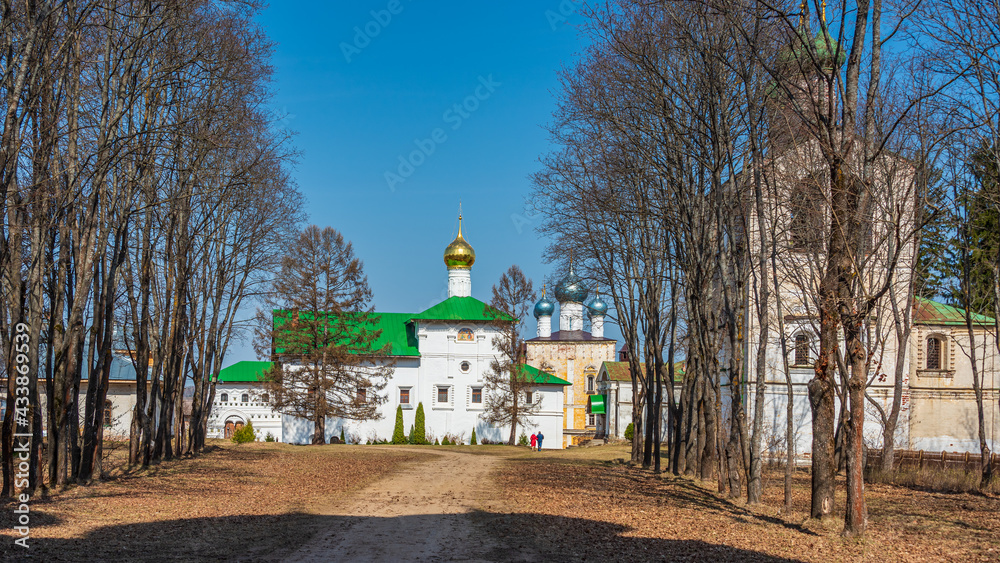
(492, 537)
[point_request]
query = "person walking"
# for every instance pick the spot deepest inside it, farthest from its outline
(539, 437)
(533, 438)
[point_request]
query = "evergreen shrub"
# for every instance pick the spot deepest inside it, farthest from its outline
(397, 432)
(629, 431)
(523, 440)
(419, 431)
(245, 434)
(472, 442)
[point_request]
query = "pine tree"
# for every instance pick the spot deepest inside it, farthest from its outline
(343, 439)
(397, 432)
(410, 437)
(472, 441)
(419, 432)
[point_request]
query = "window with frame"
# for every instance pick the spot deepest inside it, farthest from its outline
(108, 413)
(591, 419)
(528, 396)
(801, 350)
(477, 396)
(466, 335)
(934, 355)
(404, 395)
(465, 367)
(224, 397)
(265, 397)
(362, 396)
(245, 398)
(442, 395)
(590, 373)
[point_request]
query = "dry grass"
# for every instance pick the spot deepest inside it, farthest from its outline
(935, 480)
(256, 500)
(587, 504)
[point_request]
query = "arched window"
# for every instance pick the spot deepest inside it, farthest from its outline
(591, 375)
(245, 398)
(466, 335)
(935, 355)
(224, 397)
(801, 350)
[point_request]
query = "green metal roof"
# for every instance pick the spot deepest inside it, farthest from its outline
(540, 377)
(927, 312)
(244, 372)
(597, 404)
(396, 331)
(462, 309)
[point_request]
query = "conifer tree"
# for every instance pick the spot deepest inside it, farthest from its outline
(410, 436)
(472, 441)
(321, 333)
(397, 432)
(419, 431)
(343, 437)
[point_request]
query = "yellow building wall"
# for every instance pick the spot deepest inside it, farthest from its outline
(572, 361)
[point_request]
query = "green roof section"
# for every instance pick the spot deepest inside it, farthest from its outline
(540, 377)
(462, 309)
(927, 312)
(396, 331)
(244, 372)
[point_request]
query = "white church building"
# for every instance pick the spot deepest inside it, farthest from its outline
(441, 358)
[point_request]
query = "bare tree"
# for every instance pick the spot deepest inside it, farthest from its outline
(509, 380)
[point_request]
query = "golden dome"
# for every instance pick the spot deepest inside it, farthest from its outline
(459, 253)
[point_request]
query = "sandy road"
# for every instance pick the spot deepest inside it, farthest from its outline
(418, 514)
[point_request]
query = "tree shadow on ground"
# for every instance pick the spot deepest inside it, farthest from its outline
(666, 489)
(492, 537)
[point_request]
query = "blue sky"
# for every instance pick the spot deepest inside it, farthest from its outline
(460, 91)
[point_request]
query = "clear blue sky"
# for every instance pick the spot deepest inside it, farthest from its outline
(359, 93)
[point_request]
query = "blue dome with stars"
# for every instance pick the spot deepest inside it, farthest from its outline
(571, 288)
(545, 307)
(597, 307)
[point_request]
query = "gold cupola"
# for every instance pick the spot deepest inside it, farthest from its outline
(459, 254)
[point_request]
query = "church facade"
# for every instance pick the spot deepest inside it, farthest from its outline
(441, 355)
(573, 353)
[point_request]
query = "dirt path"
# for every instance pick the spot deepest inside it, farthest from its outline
(419, 514)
